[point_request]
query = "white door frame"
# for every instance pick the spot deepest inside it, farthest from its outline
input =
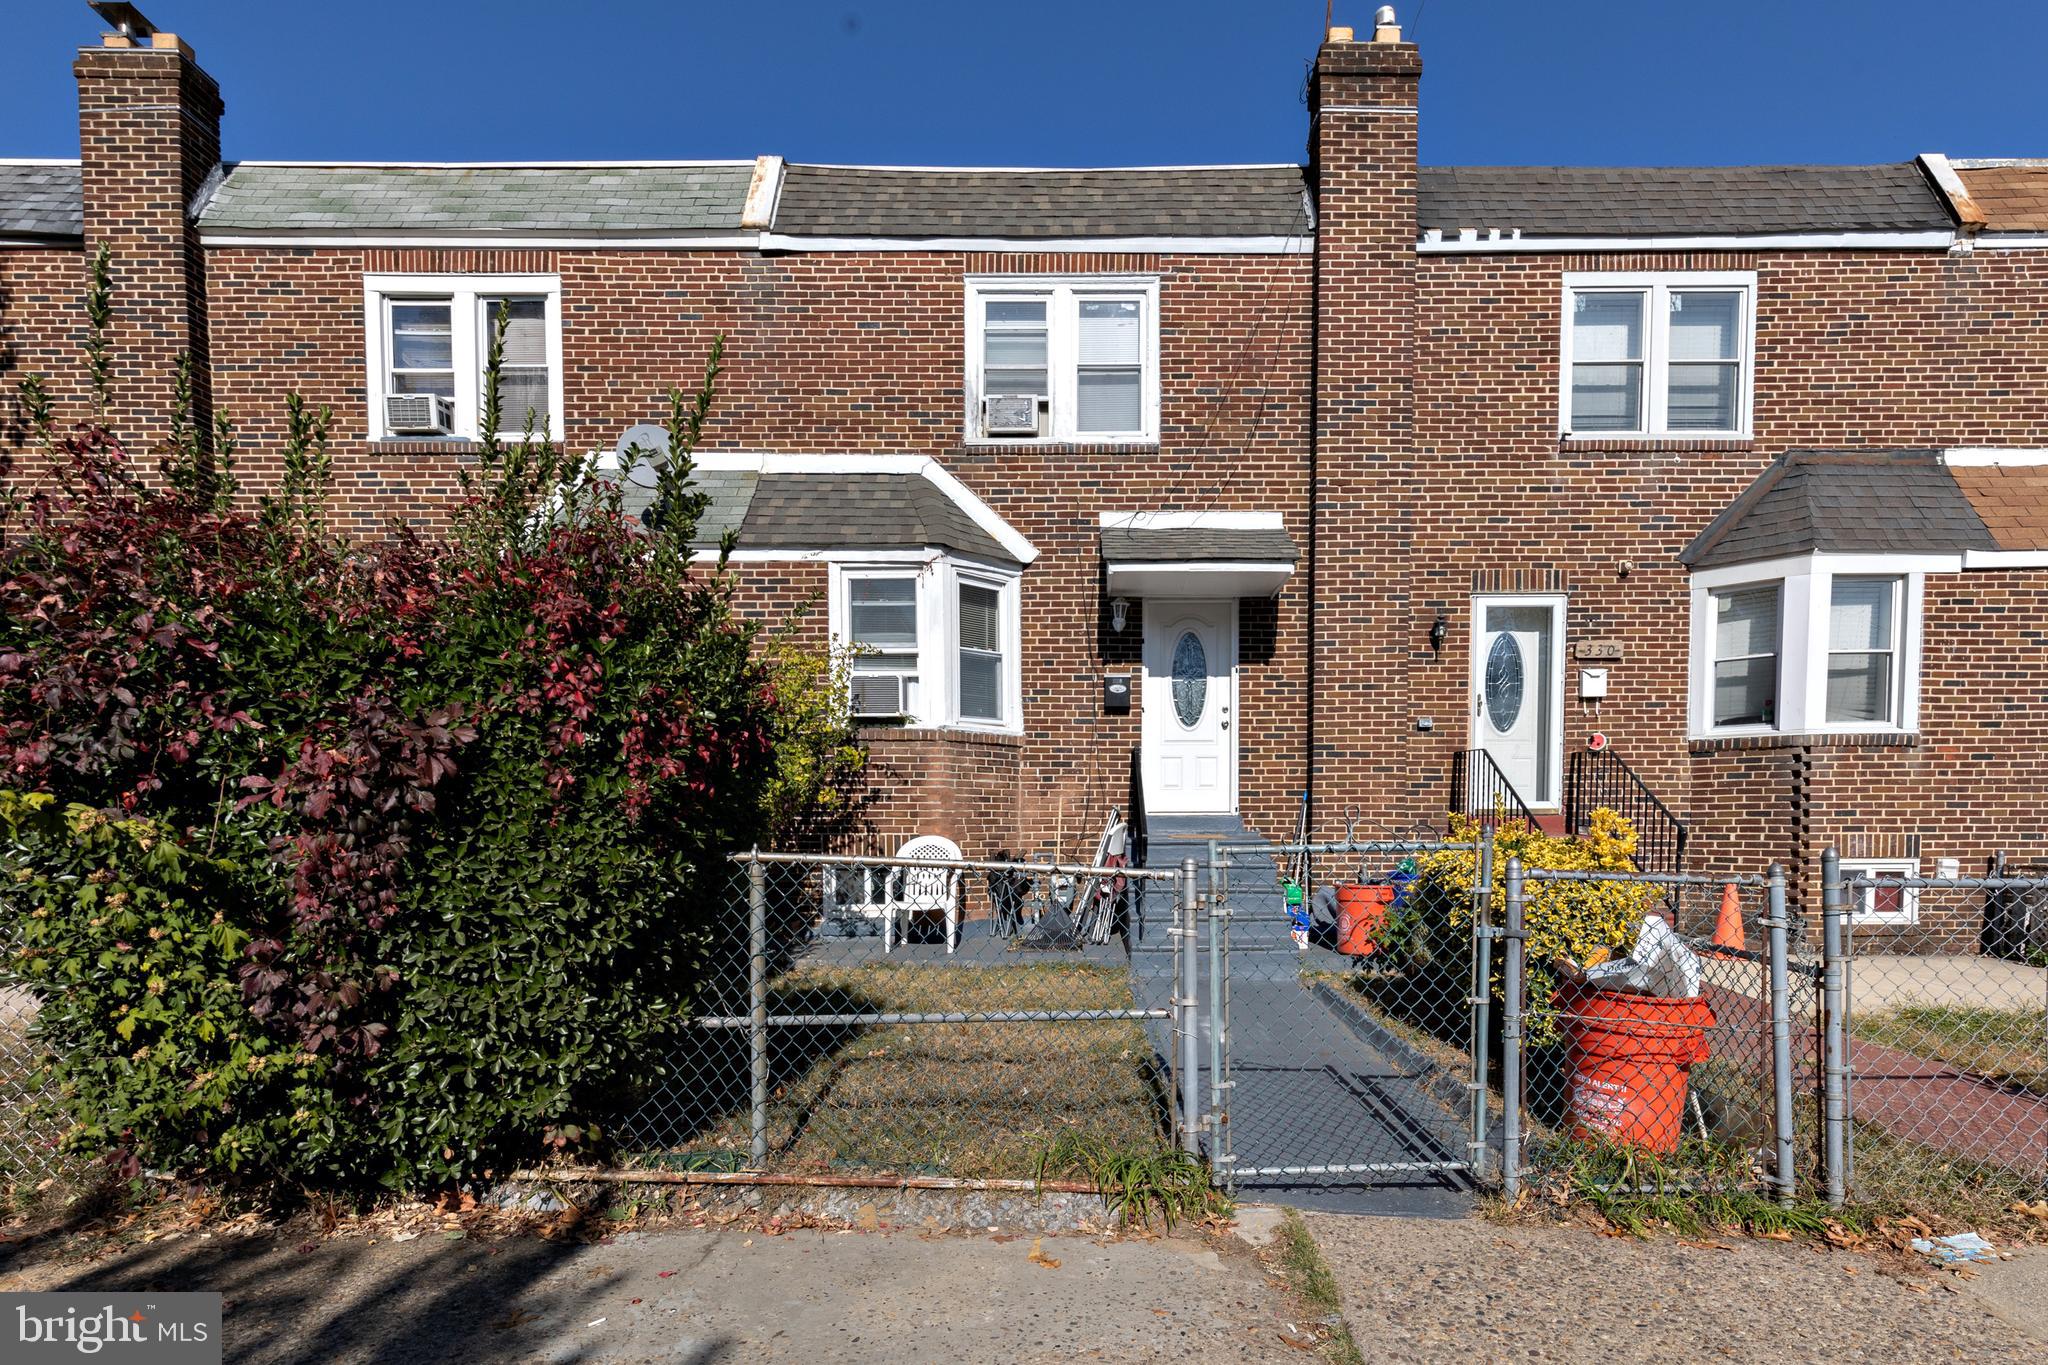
(1155, 609)
(1475, 673)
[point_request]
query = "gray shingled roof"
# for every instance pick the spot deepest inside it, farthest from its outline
(838, 511)
(1197, 545)
(1844, 502)
(1222, 201)
(559, 198)
(41, 201)
(1640, 201)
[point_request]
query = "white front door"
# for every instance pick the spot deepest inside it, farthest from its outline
(1190, 749)
(1517, 691)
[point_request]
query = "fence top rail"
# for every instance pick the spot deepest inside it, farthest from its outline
(1333, 849)
(1545, 874)
(1156, 874)
(1955, 883)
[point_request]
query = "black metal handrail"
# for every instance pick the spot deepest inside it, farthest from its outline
(1481, 791)
(1140, 837)
(1599, 778)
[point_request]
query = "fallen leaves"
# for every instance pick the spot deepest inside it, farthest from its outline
(2037, 1209)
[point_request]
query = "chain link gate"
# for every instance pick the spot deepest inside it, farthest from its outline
(1333, 1069)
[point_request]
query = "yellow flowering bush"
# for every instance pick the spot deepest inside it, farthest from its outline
(1584, 921)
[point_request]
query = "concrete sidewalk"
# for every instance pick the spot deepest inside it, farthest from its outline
(713, 1295)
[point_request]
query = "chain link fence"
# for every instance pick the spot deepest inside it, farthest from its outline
(1941, 1050)
(922, 1017)
(1686, 1074)
(1341, 1020)
(28, 1135)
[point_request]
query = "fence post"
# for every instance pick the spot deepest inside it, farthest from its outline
(1218, 907)
(757, 995)
(1190, 1038)
(1482, 997)
(1835, 1058)
(1781, 1038)
(1511, 1038)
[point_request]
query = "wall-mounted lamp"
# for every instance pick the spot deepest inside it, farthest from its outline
(1119, 613)
(1437, 630)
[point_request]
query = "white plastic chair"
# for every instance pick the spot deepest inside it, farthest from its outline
(899, 894)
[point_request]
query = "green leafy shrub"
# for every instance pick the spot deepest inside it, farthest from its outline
(452, 808)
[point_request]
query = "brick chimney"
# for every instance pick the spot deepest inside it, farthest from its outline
(1362, 150)
(149, 138)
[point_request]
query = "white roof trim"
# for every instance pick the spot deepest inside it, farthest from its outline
(1296, 244)
(709, 239)
(1835, 561)
(983, 516)
(1977, 457)
(2005, 559)
(2011, 241)
(1041, 170)
(1181, 521)
(1435, 243)
(38, 161)
(1211, 579)
(764, 194)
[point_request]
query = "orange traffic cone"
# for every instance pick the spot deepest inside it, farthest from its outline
(1728, 924)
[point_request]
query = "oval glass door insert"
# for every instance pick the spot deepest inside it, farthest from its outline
(1190, 679)
(1504, 682)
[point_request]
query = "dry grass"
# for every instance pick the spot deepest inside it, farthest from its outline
(2009, 1047)
(967, 1100)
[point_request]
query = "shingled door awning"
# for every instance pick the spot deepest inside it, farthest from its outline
(1196, 554)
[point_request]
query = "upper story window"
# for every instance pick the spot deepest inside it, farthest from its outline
(427, 338)
(935, 642)
(1063, 358)
(1657, 355)
(1815, 644)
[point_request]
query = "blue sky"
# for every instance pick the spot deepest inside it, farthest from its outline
(1067, 82)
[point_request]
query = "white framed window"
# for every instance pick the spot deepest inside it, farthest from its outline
(429, 335)
(936, 641)
(1883, 900)
(1662, 354)
(1863, 650)
(1083, 351)
(1745, 662)
(1810, 644)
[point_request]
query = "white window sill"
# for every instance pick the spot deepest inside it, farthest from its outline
(1592, 437)
(1046, 442)
(1792, 736)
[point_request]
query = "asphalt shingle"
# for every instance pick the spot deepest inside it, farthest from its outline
(1198, 545)
(41, 200)
(527, 198)
(1214, 201)
(1563, 201)
(1844, 502)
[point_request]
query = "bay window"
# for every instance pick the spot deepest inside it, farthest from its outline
(1863, 650)
(1657, 355)
(1746, 656)
(934, 642)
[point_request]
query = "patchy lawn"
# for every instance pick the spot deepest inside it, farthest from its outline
(957, 1099)
(2009, 1047)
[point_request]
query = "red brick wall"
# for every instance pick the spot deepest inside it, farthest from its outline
(149, 135)
(41, 328)
(845, 353)
(1853, 348)
(1362, 144)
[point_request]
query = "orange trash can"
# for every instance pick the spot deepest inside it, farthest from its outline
(1629, 1062)
(1360, 911)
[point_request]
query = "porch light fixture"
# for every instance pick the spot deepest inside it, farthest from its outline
(1437, 630)
(1119, 613)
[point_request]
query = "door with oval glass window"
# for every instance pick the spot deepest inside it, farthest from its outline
(1517, 690)
(1190, 701)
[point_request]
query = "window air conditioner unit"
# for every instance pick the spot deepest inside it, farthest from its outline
(878, 695)
(1009, 414)
(414, 413)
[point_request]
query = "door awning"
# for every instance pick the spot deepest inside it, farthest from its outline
(1196, 554)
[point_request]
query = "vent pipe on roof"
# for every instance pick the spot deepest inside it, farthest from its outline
(1385, 28)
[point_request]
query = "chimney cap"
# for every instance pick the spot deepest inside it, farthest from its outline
(1384, 16)
(128, 21)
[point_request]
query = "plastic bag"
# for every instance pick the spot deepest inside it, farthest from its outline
(1659, 964)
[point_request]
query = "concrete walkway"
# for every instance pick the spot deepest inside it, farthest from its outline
(1311, 1090)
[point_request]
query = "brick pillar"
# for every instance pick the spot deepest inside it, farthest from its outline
(149, 137)
(1362, 149)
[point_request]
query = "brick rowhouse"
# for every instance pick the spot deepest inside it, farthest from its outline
(1381, 372)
